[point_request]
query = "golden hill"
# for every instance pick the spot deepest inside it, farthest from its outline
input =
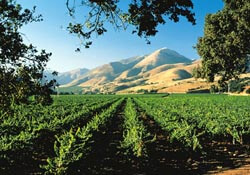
(163, 71)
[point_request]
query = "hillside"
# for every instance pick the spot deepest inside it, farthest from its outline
(160, 66)
(164, 70)
(66, 77)
(161, 57)
(105, 73)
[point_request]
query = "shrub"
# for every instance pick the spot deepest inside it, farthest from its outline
(248, 91)
(213, 89)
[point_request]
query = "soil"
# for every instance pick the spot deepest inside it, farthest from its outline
(243, 170)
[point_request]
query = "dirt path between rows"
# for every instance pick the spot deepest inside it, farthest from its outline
(243, 170)
(105, 156)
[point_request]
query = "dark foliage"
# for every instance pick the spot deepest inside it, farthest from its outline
(214, 89)
(248, 91)
(225, 46)
(143, 15)
(238, 85)
(21, 65)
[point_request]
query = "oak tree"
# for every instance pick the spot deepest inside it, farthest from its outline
(143, 16)
(21, 65)
(225, 46)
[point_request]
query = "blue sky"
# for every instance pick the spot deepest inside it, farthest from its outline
(114, 45)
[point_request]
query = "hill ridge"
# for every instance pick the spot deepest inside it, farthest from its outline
(157, 70)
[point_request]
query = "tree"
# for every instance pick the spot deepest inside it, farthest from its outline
(144, 15)
(225, 46)
(213, 89)
(21, 65)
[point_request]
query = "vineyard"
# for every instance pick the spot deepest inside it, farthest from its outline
(126, 134)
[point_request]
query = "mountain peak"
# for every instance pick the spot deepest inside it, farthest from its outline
(160, 57)
(164, 49)
(167, 51)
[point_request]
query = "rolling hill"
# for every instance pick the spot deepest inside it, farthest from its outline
(66, 77)
(164, 70)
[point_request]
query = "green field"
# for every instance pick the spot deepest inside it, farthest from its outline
(126, 134)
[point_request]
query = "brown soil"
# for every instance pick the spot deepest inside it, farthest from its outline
(243, 170)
